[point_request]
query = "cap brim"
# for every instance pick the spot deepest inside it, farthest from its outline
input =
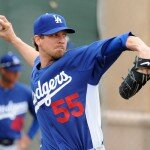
(17, 68)
(53, 31)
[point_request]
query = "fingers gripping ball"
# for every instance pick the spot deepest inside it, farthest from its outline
(1, 22)
(1, 28)
(135, 80)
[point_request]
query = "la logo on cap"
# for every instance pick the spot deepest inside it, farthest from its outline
(57, 19)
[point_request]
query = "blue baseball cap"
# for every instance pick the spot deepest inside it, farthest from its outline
(10, 62)
(50, 23)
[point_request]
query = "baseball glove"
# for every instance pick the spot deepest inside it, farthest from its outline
(135, 80)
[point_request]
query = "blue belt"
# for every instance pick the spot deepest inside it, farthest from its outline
(7, 141)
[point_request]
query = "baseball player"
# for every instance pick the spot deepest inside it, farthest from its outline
(65, 83)
(15, 100)
(136, 78)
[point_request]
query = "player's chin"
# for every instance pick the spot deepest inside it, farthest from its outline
(59, 53)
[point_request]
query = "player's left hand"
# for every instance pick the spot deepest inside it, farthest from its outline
(24, 142)
(136, 78)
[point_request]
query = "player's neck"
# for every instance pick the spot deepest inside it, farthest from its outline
(46, 61)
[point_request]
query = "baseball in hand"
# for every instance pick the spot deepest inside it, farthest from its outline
(1, 28)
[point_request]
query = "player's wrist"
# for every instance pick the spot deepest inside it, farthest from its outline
(144, 71)
(14, 40)
(144, 52)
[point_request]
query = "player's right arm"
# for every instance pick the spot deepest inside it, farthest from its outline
(8, 34)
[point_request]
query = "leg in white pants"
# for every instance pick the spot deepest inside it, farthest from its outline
(102, 147)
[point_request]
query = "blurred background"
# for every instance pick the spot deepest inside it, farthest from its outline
(126, 123)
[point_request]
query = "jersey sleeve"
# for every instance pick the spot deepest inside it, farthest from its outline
(100, 55)
(34, 125)
(110, 50)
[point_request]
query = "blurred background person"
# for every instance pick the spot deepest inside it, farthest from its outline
(15, 101)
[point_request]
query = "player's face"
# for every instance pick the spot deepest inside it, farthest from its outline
(9, 77)
(54, 45)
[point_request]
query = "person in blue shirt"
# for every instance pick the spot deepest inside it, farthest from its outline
(15, 101)
(65, 83)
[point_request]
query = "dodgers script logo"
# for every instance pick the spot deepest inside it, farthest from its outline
(11, 110)
(44, 92)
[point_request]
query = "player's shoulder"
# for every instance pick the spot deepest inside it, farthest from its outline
(37, 60)
(36, 63)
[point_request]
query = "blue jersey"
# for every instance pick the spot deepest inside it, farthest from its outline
(14, 104)
(66, 96)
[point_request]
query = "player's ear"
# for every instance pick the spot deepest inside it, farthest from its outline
(37, 39)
